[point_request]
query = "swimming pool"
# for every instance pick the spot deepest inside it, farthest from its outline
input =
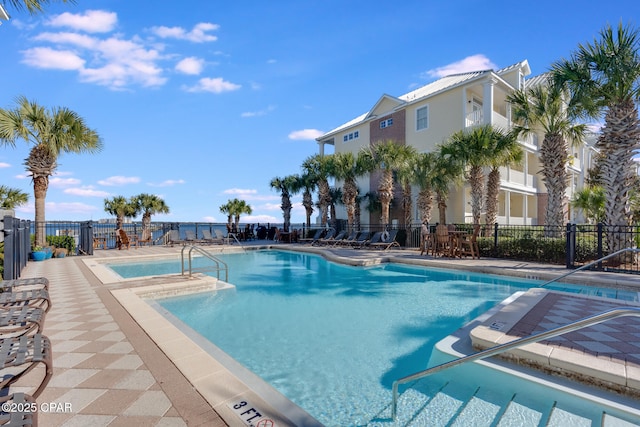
(330, 337)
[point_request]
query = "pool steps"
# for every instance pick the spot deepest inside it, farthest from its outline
(453, 404)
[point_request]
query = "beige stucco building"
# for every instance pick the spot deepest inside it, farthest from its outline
(425, 117)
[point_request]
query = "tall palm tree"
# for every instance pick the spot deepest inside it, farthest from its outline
(347, 167)
(149, 204)
(316, 167)
(11, 198)
(507, 151)
(547, 106)
(605, 76)
(447, 171)
(52, 132)
(33, 6)
(306, 183)
(121, 208)
(388, 157)
(227, 209)
(405, 176)
(284, 186)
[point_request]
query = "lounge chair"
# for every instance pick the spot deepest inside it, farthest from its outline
(347, 240)
(21, 320)
(21, 284)
(327, 237)
(316, 236)
(388, 243)
(19, 355)
(374, 239)
(359, 242)
(34, 297)
(190, 237)
(332, 240)
(208, 238)
(172, 237)
(23, 414)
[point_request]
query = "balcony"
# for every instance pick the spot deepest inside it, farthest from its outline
(476, 118)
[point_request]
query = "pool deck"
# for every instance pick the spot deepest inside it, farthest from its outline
(120, 369)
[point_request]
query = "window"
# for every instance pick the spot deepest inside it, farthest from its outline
(386, 123)
(350, 136)
(422, 118)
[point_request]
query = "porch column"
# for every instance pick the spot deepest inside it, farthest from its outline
(321, 147)
(487, 101)
(507, 206)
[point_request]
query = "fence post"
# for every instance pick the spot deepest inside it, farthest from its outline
(495, 239)
(571, 245)
(600, 239)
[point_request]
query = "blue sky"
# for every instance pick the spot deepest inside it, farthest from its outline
(200, 102)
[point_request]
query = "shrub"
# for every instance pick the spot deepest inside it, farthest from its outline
(66, 242)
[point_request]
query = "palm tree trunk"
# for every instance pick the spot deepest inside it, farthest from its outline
(620, 137)
(553, 157)
(286, 212)
(349, 194)
(493, 190)
(476, 179)
(307, 202)
(425, 204)
(385, 193)
(324, 200)
(407, 205)
(442, 206)
(40, 186)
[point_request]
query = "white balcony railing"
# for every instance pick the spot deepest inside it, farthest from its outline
(476, 118)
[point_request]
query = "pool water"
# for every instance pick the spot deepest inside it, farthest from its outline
(333, 338)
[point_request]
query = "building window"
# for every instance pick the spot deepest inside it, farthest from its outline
(350, 136)
(422, 118)
(386, 123)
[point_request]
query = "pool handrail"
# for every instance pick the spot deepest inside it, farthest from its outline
(216, 260)
(584, 267)
(498, 349)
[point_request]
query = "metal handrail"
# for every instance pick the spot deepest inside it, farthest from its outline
(579, 324)
(208, 255)
(584, 267)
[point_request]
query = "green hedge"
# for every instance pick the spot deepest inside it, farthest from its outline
(525, 248)
(65, 242)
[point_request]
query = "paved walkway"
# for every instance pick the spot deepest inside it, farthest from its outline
(109, 372)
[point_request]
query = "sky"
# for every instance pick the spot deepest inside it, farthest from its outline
(200, 102)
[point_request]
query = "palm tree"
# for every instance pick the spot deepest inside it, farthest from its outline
(388, 157)
(347, 167)
(52, 133)
(447, 171)
(11, 198)
(306, 183)
(284, 185)
(316, 167)
(237, 208)
(604, 76)
(546, 106)
(149, 204)
(591, 200)
(121, 208)
(336, 198)
(33, 6)
(227, 209)
(424, 177)
(405, 176)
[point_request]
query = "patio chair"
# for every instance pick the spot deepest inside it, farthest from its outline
(374, 239)
(388, 243)
(328, 237)
(34, 297)
(442, 242)
(24, 415)
(20, 355)
(348, 240)
(208, 238)
(145, 237)
(190, 237)
(20, 320)
(332, 240)
(172, 237)
(362, 238)
(122, 239)
(469, 243)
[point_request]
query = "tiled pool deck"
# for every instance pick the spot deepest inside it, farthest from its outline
(111, 371)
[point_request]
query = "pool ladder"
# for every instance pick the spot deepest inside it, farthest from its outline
(499, 349)
(219, 264)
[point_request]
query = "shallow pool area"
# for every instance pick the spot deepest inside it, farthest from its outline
(333, 338)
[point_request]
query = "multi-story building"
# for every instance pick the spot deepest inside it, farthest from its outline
(426, 117)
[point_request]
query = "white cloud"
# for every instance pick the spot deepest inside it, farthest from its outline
(209, 219)
(70, 208)
(264, 112)
(470, 63)
(80, 40)
(261, 218)
(86, 192)
(119, 180)
(168, 183)
(199, 33)
(92, 21)
(4, 165)
(44, 57)
(249, 194)
(190, 65)
(63, 182)
(305, 134)
(214, 85)
(240, 191)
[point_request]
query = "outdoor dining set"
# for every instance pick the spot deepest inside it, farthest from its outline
(23, 306)
(450, 242)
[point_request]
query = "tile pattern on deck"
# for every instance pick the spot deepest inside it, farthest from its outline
(97, 371)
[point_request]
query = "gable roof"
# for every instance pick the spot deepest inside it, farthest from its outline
(430, 89)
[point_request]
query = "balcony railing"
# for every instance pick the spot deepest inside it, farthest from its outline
(476, 118)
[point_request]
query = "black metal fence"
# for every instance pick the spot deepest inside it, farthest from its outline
(573, 245)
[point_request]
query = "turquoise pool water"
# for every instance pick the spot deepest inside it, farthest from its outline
(333, 338)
